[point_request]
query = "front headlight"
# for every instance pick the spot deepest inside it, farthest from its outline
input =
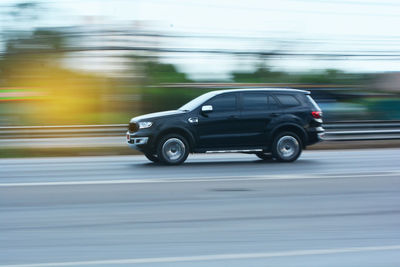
(145, 124)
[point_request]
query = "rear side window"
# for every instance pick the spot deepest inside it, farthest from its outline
(273, 104)
(255, 101)
(259, 101)
(288, 100)
(223, 102)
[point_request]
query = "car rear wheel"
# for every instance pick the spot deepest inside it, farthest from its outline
(172, 149)
(287, 147)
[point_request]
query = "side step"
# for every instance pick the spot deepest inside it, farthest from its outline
(234, 151)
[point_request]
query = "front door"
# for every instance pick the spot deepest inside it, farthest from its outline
(219, 127)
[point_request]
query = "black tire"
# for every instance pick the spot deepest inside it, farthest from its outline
(172, 149)
(287, 147)
(264, 156)
(152, 157)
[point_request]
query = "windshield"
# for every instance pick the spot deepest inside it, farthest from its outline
(197, 102)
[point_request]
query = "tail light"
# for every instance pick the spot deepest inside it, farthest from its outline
(317, 114)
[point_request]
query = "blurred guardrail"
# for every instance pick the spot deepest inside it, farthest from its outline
(7, 132)
(335, 131)
(362, 130)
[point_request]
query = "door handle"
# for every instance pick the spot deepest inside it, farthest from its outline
(275, 114)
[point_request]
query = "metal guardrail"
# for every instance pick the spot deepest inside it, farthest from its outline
(62, 131)
(335, 131)
(362, 130)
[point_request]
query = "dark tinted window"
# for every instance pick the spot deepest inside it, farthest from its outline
(255, 101)
(223, 103)
(272, 103)
(288, 100)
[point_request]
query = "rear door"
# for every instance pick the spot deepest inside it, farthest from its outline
(257, 111)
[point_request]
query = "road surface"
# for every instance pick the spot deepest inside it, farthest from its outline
(330, 208)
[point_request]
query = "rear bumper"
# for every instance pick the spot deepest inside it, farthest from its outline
(315, 135)
(321, 136)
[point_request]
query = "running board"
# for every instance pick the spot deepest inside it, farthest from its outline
(234, 151)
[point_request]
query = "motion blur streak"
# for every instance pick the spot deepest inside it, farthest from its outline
(82, 62)
(203, 213)
(73, 73)
(213, 257)
(208, 179)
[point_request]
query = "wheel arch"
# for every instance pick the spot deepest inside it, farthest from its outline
(289, 127)
(177, 130)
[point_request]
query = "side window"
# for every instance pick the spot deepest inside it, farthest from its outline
(288, 100)
(223, 102)
(272, 103)
(255, 101)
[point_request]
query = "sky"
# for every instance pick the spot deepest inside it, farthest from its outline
(301, 26)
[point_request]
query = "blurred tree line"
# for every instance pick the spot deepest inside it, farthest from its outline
(37, 89)
(263, 74)
(34, 63)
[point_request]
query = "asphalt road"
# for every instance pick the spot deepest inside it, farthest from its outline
(330, 208)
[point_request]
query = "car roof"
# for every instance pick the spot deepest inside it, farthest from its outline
(275, 90)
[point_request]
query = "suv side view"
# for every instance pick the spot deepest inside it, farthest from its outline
(270, 123)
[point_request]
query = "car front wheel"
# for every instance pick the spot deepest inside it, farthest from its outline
(264, 156)
(287, 147)
(151, 157)
(172, 149)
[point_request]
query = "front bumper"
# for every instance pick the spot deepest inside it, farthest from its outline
(136, 142)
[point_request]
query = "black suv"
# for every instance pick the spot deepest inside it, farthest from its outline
(270, 123)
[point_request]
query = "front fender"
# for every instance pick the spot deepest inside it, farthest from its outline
(178, 130)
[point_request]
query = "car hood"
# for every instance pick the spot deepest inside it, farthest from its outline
(157, 115)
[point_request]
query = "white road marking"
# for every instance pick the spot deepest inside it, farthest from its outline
(206, 179)
(239, 256)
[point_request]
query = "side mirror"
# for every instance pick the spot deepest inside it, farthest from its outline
(207, 108)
